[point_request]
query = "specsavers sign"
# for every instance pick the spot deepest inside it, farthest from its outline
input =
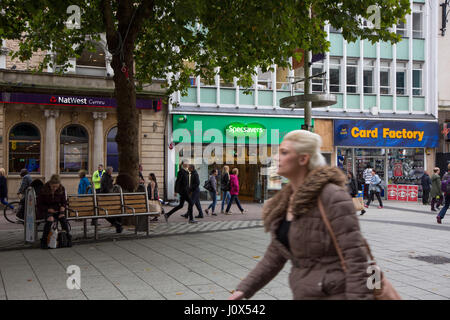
(406, 134)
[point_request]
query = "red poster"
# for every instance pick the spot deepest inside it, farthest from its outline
(402, 193)
(413, 193)
(398, 169)
(392, 192)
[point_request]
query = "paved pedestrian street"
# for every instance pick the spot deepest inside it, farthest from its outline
(207, 261)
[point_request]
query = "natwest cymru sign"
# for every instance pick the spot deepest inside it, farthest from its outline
(75, 101)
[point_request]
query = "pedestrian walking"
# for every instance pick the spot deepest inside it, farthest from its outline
(24, 184)
(436, 193)
(234, 191)
(352, 188)
(51, 206)
(84, 186)
(194, 191)
(426, 187)
(106, 186)
(367, 176)
(225, 186)
(182, 188)
(213, 192)
(298, 233)
(375, 189)
(152, 190)
(445, 187)
(4, 189)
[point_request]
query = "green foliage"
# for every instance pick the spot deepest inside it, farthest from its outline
(235, 35)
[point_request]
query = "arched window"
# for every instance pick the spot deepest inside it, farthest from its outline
(74, 151)
(24, 148)
(92, 62)
(112, 152)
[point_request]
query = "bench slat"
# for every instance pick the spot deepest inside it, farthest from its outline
(134, 197)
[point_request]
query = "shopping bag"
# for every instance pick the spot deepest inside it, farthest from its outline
(358, 203)
(52, 239)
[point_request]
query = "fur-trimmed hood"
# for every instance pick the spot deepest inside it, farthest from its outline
(306, 195)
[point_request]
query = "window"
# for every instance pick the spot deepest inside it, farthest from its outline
(417, 20)
(317, 82)
(369, 66)
(74, 146)
(417, 79)
(24, 148)
(264, 80)
(112, 151)
(385, 68)
(352, 76)
(92, 62)
(335, 75)
(401, 29)
(401, 78)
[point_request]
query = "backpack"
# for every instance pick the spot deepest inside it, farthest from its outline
(208, 186)
(445, 186)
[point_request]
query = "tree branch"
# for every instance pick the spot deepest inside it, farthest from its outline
(144, 11)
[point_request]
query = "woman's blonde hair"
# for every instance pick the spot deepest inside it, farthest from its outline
(235, 171)
(226, 169)
(55, 179)
(2, 172)
(306, 142)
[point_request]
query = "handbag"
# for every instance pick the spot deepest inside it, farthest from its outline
(155, 206)
(387, 290)
(358, 203)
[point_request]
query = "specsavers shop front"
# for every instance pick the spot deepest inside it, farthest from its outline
(399, 151)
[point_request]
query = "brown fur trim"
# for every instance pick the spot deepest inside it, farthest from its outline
(306, 195)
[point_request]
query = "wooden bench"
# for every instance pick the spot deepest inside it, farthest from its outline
(109, 205)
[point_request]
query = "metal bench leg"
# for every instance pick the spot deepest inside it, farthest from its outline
(85, 228)
(135, 224)
(95, 233)
(148, 227)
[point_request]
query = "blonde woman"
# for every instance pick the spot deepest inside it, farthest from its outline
(225, 186)
(4, 189)
(234, 190)
(298, 232)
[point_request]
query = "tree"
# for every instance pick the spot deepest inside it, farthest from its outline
(177, 39)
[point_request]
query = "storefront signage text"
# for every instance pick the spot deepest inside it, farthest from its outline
(388, 134)
(369, 133)
(241, 130)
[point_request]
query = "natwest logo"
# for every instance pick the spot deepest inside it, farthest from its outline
(72, 100)
(53, 99)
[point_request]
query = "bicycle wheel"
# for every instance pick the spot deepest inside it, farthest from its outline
(10, 214)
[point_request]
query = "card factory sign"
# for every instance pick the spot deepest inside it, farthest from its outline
(75, 101)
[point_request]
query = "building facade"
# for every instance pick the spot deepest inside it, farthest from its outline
(376, 85)
(65, 123)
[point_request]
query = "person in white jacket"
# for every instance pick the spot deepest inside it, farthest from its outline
(367, 176)
(375, 189)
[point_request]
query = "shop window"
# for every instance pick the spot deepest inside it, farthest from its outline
(417, 21)
(264, 80)
(92, 61)
(112, 151)
(405, 166)
(369, 66)
(335, 75)
(317, 82)
(417, 79)
(74, 146)
(401, 78)
(401, 29)
(24, 148)
(352, 76)
(385, 76)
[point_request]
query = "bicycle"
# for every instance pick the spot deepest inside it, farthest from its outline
(11, 214)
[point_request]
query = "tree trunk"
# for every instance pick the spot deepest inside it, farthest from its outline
(128, 118)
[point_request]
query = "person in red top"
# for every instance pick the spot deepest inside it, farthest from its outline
(234, 191)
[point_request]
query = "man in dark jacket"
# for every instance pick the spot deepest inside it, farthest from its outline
(182, 188)
(445, 181)
(426, 187)
(194, 191)
(106, 186)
